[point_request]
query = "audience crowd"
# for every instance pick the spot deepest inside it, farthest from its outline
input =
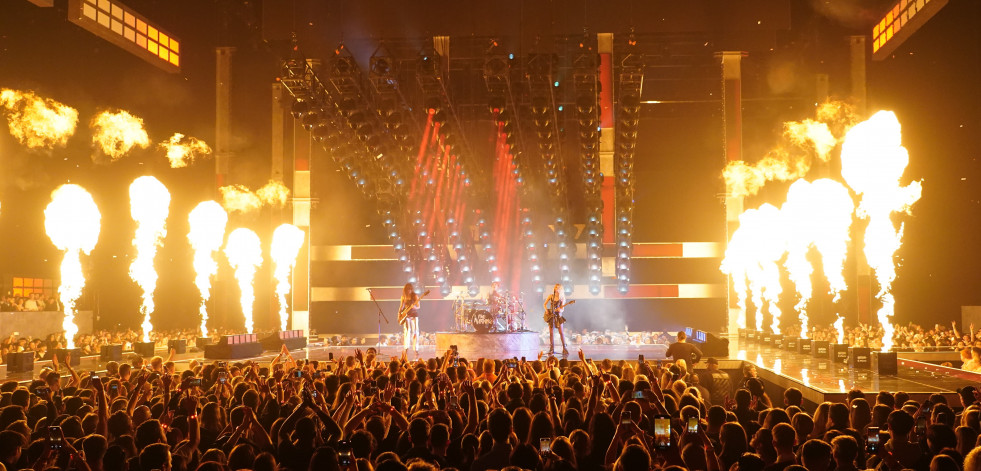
(364, 412)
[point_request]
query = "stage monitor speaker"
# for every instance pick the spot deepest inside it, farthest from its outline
(111, 353)
(20, 362)
(144, 349)
(293, 339)
(74, 353)
(711, 345)
(180, 345)
(201, 342)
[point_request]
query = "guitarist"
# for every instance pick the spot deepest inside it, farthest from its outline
(554, 305)
(409, 317)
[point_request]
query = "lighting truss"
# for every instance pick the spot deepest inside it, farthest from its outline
(586, 80)
(543, 107)
(631, 82)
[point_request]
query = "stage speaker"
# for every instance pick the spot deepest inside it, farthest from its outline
(790, 343)
(777, 341)
(20, 362)
(202, 342)
(859, 357)
(711, 345)
(293, 339)
(144, 349)
(111, 353)
(819, 349)
(76, 355)
(885, 363)
(180, 345)
(838, 352)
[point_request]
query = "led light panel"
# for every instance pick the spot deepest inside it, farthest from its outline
(117, 23)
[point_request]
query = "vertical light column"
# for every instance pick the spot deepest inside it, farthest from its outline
(732, 121)
(300, 297)
(863, 280)
(604, 45)
(223, 138)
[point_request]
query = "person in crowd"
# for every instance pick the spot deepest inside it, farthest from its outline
(682, 350)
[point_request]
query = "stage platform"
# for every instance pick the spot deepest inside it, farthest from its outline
(818, 378)
(822, 380)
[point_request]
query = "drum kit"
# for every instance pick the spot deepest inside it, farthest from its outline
(502, 313)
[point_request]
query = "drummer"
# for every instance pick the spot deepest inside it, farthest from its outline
(495, 299)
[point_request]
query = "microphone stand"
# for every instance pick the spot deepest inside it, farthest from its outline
(381, 315)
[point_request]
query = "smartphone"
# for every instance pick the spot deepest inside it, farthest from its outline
(639, 395)
(344, 455)
(222, 376)
(453, 402)
(662, 432)
(693, 425)
(42, 390)
(330, 356)
(927, 405)
(659, 363)
(298, 374)
(523, 359)
(544, 445)
(872, 440)
(626, 418)
(54, 437)
(115, 387)
(316, 375)
(456, 362)
(640, 358)
(194, 382)
(222, 364)
(921, 426)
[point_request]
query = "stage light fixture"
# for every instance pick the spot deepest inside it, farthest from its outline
(121, 25)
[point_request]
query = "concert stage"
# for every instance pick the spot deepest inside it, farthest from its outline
(490, 345)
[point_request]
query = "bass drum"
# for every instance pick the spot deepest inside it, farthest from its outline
(481, 320)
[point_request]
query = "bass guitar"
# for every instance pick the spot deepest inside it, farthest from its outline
(554, 314)
(404, 314)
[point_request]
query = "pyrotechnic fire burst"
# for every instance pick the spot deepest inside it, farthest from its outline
(873, 161)
(273, 193)
(149, 207)
(244, 253)
(115, 134)
(72, 222)
(286, 243)
(751, 258)
(817, 214)
(239, 198)
(183, 150)
(38, 122)
(803, 142)
(207, 221)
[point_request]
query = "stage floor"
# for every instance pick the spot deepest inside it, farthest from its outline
(822, 380)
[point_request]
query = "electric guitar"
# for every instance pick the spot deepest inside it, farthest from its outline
(549, 315)
(405, 312)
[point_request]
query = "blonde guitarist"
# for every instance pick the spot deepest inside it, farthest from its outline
(409, 317)
(554, 306)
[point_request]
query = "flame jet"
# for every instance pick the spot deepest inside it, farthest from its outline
(207, 222)
(873, 161)
(751, 258)
(149, 206)
(72, 222)
(286, 243)
(244, 253)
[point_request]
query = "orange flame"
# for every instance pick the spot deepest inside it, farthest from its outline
(183, 150)
(115, 134)
(38, 122)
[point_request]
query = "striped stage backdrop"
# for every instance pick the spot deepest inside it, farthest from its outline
(673, 285)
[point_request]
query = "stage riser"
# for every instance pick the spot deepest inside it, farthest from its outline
(473, 346)
(233, 352)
